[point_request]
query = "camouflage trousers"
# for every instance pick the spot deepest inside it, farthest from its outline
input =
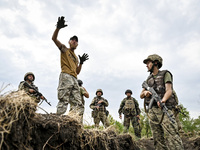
(136, 126)
(176, 115)
(69, 92)
(101, 116)
(167, 128)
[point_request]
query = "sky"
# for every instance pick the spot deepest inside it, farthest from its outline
(118, 35)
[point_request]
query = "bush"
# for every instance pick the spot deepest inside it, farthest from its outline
(189, 124)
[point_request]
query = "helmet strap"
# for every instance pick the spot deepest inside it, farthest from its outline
(152, 68)
(27, 79)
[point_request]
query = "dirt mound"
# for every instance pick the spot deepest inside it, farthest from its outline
(146, 143)
(188, 143)
(191, 143)
(22, 128)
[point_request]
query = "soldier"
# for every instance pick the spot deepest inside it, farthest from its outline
(68, 89)
(29, 77)
(162, 83)
(99, 105)
(130, 108)
(83, 93)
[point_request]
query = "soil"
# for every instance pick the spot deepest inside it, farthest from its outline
(21, 128)
(49, 131)
(192, 143)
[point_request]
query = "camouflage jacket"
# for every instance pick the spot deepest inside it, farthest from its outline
(135, 110)
(26, 89)
(102, 105)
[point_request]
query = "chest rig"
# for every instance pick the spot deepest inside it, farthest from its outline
(129, 104)
(158, 84)
(129, 107)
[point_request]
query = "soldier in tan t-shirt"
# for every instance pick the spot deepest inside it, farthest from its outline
(68, 89)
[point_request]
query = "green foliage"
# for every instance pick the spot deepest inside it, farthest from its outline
(189, 124)
(131, 131)
(119, 127)
(89, 127)
(184, 114)
(145, 126)
(93, 127)
(111, 120)
(197, 123)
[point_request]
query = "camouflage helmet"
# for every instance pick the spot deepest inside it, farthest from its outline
(128, 91)
(80, 82)
(99, 90)
(29, 73)
(153, 58)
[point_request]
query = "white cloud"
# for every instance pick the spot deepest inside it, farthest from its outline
(117, 36)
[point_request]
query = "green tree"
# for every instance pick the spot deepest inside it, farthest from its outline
(119, 126)
(145, 126)
(188, 124)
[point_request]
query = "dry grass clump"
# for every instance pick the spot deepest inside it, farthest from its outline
(14, 106)
(107, 139)
(95, 139)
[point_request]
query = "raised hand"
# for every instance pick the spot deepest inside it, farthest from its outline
(61, 22)
(83, 58)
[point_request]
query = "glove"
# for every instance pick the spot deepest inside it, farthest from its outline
(83, 58)
(61, 22)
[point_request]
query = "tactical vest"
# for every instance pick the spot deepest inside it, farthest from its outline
(176, 98)
(129, 104)
(129, 107)
(101, 106)
(159, 86)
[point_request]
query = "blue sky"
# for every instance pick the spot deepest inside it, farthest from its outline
(117, 35)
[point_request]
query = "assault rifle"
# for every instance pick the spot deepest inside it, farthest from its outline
(156, 98)
(37, 92)
(100, 104)
(178, 108)
(106, 111)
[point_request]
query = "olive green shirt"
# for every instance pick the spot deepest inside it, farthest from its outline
(167, 77)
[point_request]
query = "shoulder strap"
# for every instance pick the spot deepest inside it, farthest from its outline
(163, 72)
(150, 76)
(22, 82)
